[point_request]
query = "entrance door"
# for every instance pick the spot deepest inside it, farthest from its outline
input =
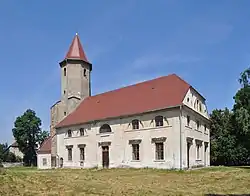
(105, 156)
(188, 149)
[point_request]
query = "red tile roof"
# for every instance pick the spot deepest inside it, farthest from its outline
(159, 93)
(45, 148)
(76, 50)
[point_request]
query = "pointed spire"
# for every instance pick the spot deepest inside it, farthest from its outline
(76, 51)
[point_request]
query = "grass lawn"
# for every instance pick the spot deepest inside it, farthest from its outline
(214, 180)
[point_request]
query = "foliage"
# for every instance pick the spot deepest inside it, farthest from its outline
(6, 155)
(28, 135)
(230, 130)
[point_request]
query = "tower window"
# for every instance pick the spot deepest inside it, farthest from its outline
(64, 92)
(64, 71)
(65, 113)
(84, 72)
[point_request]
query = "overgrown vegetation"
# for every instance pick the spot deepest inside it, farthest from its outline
(230, 129)
(219, 180)
(28, 134)
(6, 155)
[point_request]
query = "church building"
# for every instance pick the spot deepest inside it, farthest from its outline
(159, 123)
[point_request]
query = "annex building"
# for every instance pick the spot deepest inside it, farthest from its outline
(160, 123)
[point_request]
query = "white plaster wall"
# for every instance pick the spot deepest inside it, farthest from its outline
(120, 151)
(40, 158)
(16, 151)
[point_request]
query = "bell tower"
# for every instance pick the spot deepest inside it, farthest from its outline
(75, 76)
(75, 86)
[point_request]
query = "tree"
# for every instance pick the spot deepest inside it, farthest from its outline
(6, 155)
(28, 135)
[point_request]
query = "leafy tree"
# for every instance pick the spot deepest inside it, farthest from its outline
(28, 135)
(6, 155)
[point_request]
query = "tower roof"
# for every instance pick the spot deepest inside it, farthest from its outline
(76, 50)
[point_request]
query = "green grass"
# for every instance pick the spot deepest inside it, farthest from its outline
(214, 180)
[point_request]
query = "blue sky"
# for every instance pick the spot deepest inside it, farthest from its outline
(207, 43)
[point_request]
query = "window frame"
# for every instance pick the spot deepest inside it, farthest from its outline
(82, 153)
(70, 154)
(135, 124)
(159, 151)
(135, 152)
(44, 161)
(69, 133)
(159, 121)
(105, 128)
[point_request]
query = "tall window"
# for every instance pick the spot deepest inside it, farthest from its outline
(44, 161)
(81, 131)
(197, 125)
(188, 120)
(135, 151)
(135, 124)
(159, 151)
(69, 154)
(105, 128)
(82, 154)
(198, 151)
(205, 128)
(69, 133)
(200, 107)
(158, 121)
(64, 72)
(84, 72)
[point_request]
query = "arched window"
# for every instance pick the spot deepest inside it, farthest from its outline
(69, 133)
(158, 121)
(105, 128)
(135, 124)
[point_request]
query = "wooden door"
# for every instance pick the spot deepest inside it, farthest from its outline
(105, 156)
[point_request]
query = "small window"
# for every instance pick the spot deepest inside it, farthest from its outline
(64, 71)
(159, 151)
(65, 113)
(84, 72)
(135, 124)
(205, 128)
(188, 99)
(44, 161)
(197, 125)
(158, 121)
(69, 133)
(105, 128)
(69, 154)
(188, 120)
(81, 131)
(64, 92)
(82, 154)
(135, 152)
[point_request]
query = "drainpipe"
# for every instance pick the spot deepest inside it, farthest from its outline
(180, 119)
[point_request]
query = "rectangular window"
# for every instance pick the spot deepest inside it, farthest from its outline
(135, 152)
(205, 128)
(197, 125)
(188, 120)
(64, 70)
(159, 151)
(81, 131)
(69, 133)
(198, 152)
(82, 155)
(44, 161)
(69, 154)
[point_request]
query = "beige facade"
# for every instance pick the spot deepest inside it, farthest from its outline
(175, 134)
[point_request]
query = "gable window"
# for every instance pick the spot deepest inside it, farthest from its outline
(84, 72)
(82, 154)
(135, 152)
(135, 124)
(69, 154)
(81, 131)
(44, 161)
(105, 128)
(64, 72)
(188, 120)
(158, 121)
(197, 125)
(69, 133)
(159, 151)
